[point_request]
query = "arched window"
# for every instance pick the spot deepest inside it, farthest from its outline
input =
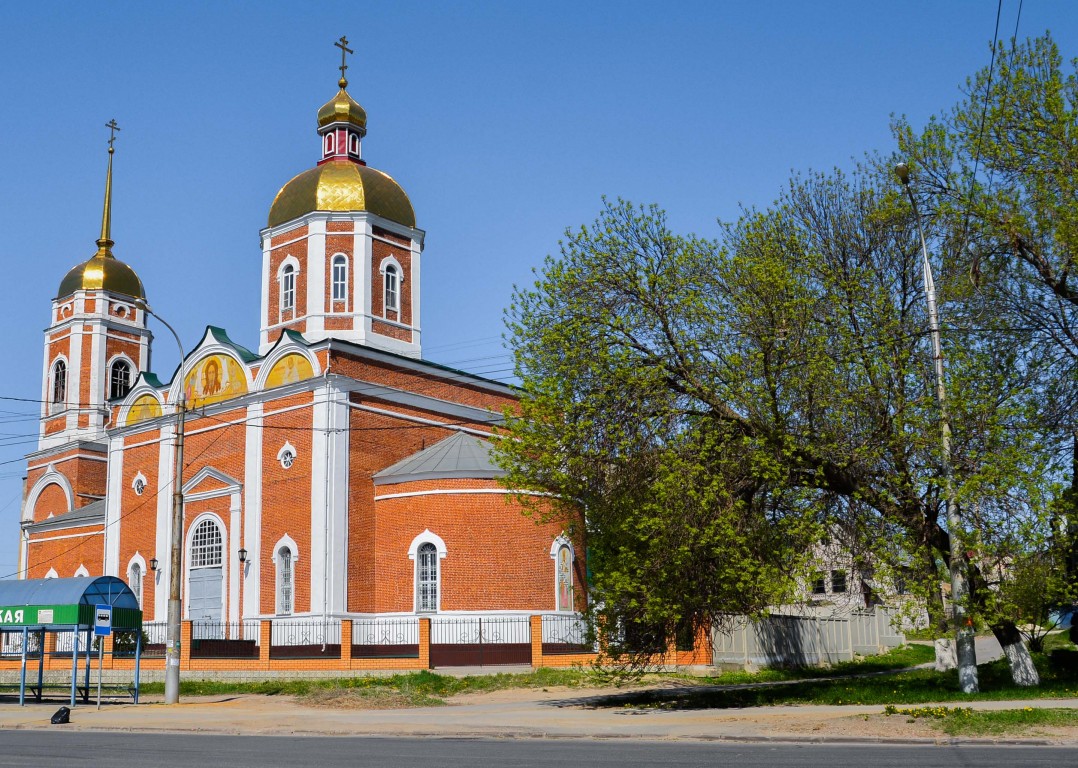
(134, 580)
(426, 577)
(119, 379)
(392, 289)
(340, 278)
(564, 571)
(206, 545)
(59, 382)
(288, 287)
(285, 580)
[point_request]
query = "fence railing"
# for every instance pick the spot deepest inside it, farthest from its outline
(807, 640)
(224, 639)
(566, 633)
(11, 642)
(305, 638)
(385, 638)
(480, 640)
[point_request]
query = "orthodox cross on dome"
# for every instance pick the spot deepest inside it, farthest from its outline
(345, 50)
(113, 127)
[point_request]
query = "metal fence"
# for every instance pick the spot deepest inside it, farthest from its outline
(566, 633)
(11, 644)
(480, 640)
(305, 638)
(807, 640)
(385, 638)
(154, 634)
(224, 639)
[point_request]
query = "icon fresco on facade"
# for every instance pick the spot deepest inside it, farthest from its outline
(289, 369)
(212, 379)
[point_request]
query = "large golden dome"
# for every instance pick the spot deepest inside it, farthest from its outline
(342, 108)
(103, 272)
(342, 185)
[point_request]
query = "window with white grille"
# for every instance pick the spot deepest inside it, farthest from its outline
(206, 545)
(426, 587)
(288, 288)
(134, 580)
(284, 580)
(392, 292)
(59, 382)
(119, 379)
(340, 278)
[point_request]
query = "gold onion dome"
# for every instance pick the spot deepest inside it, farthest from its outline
(103, 272)
(342, 185)
(342, 108)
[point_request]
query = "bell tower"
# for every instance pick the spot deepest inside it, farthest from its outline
(341, 252)
(97, 340)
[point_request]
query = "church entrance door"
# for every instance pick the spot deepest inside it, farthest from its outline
(206, 582)
(204, 603)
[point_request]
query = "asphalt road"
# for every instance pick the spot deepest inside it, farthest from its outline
(52, 748)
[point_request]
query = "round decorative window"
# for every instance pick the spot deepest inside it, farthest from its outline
(139, 486)
(287, 457)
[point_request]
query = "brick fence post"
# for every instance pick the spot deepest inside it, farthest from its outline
(185, 644)
(346, 643)
(424, 643)
(106, 662)
(265, 639)
(536, 623)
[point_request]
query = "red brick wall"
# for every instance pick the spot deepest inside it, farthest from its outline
(81, 546)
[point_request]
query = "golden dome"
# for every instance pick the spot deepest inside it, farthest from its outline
(103, 272)
(342, 185)
(342, 108)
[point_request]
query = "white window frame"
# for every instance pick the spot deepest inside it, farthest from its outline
(81, 571)
(391, 265)
(435, 541)
(120, 360)
(287, 272)
(58, 403)
(560, 543)
(285, 544)
(192, 563)
(137, 562)
(338, 260)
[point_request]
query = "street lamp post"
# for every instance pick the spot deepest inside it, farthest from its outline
(172, 635)
(964, 642)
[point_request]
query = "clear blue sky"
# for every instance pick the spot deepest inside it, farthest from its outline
(504, 121)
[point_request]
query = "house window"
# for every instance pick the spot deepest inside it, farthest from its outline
(838, 581)
(340, 278)
(392, 289)
(819, 584)
(206, 545)
(119, 379)
(59, 382)
(284, 580)
(564, 566)
(288, 288)
(426, 587)
(134, 580)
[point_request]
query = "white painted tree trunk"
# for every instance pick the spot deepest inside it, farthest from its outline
(945, 655)
(1022, 669)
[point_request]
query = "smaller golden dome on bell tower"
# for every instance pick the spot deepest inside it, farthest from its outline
(103, 271)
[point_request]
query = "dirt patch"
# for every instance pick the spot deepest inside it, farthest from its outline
(366, 698)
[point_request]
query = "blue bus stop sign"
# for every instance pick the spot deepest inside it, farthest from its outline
(102, 621)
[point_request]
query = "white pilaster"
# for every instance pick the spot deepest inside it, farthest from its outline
(165, 461)
(252, 523)
(316, 280)
(263, 336)
(233, 557)
(113, 496)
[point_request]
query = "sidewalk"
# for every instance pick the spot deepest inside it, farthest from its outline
(514, 714)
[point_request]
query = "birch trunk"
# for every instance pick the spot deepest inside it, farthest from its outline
(1023, 672)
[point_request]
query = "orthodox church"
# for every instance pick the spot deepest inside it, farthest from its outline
(329, 471)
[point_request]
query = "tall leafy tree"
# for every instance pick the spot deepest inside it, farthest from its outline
(717, 407)
(1000, 171)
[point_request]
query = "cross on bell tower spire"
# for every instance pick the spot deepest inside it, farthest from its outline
(345, 50)
(104, 243)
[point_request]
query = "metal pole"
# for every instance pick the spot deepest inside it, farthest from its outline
(172, 633)
(964, 639)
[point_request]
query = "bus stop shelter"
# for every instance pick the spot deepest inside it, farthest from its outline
(33, 607)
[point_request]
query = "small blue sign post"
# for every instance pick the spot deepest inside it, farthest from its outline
(102, 629)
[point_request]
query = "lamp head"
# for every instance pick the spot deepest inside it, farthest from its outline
(903, 172)
(153, 563)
